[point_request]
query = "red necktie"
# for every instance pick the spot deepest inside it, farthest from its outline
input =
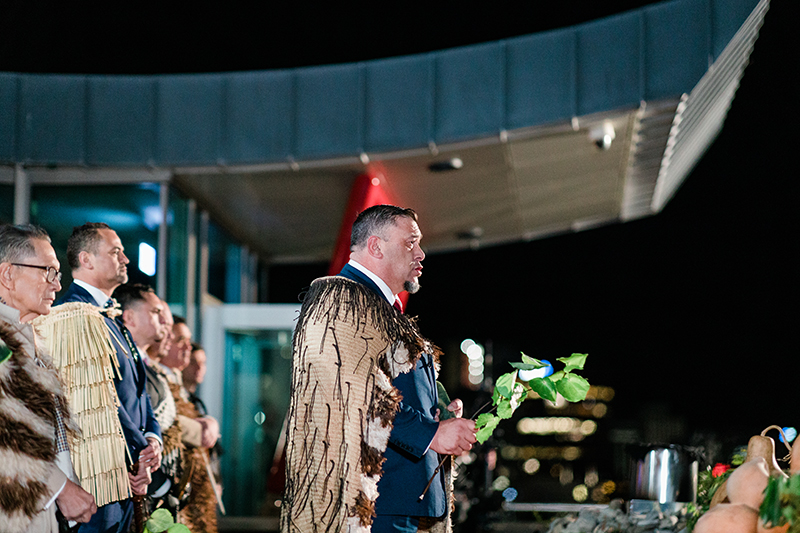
(398, 304)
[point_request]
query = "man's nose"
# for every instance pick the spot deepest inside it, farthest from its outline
(123, 258)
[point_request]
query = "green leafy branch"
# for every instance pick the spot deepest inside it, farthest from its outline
(510, 392)
(781, 503)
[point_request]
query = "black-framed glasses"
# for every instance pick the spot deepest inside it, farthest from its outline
(52, 272)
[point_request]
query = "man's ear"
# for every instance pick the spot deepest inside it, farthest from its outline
(6, 277)
(374, 247)
(86, 260)
(128, 318)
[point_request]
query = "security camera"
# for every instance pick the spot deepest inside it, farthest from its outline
(603, 135)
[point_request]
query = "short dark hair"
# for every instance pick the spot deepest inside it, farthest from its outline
(373, 220)
(83, 239)
(197, 346)
(128, 294)
(15, 241)
(177, 319)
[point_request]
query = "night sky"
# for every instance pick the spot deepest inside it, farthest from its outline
(694, 309)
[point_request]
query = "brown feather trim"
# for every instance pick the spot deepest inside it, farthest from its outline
(364, 509)
(371, 460)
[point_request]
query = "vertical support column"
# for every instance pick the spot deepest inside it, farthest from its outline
(202, 272)
(202, 285)
(244, 274)
(191, 264)
(22, 196)
(162, 253)
(253, 272)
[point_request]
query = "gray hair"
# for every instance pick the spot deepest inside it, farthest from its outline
(15, 241)
(373, 220)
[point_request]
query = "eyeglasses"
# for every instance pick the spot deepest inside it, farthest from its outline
(53, 273)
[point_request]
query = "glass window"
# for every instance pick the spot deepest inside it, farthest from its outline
(256, 391)
(6, 204)
(131, 210)
(223, 265)
(177, 249)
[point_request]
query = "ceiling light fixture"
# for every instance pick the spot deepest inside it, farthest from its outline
(603, 135)
(453, 163)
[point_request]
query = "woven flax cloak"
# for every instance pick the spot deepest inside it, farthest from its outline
(79, 341)
(348, 346)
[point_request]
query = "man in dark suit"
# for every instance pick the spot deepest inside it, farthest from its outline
(96, 256)
(386, 257)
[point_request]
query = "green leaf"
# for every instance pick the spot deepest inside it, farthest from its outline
(556, 376)
(528, 363)
(573, 362)
(504, 409)
(159, 521)
(495, 396)
(485, 432)
(573, 387)
(483, 419)
(179, 528)
(505, 384)
(544, 387)
(794, 485)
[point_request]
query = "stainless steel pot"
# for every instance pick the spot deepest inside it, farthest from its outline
(664, 473)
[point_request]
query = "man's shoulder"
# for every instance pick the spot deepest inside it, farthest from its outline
(75, 293)
(333, 286)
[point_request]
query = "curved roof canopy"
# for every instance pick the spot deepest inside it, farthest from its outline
(272, 154)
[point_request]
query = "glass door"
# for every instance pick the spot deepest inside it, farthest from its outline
(247, 390)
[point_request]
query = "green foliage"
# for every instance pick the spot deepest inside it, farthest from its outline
(781, 503)
(707, 485)
(161, 521)
(509, 392)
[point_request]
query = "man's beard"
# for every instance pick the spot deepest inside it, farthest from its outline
(411, 286)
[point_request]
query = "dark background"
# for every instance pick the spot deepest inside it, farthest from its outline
(691, 313)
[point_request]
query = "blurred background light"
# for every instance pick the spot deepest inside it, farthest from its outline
(147, 259)
(510, 494)
(580, 493)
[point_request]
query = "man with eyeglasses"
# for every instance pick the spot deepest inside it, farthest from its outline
(99, 265)
(38, 479)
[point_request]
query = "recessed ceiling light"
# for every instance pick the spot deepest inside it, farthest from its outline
(454, 163)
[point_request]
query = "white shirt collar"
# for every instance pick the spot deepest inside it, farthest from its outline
(387, 292)
(100, 297)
